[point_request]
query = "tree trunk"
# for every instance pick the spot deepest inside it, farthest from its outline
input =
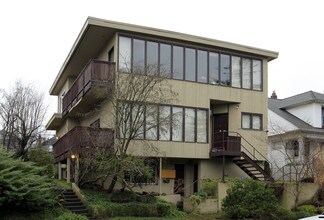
(112, 184)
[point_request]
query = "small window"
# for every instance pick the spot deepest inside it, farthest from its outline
(202, 66)
(252, 121)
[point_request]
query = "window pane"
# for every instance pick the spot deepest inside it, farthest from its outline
(257, 74)
(246, 121)
(202, 66)
(152, 54)
(151, 122)
(177, 124)
(190, 64)
(256, 119)
(213, 68)
(138, 55)
(246, 63)
(164, 122)
(165, 59)
(189, 124)
(138, 121)
(125, 53)
(236, 71)
(123, 119)
(177, 62)
(225, 77)
(201, 126)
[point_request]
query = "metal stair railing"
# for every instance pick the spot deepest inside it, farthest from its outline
(255, 152)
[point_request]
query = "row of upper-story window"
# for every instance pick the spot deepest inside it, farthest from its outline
(189, 63)
(167, 123)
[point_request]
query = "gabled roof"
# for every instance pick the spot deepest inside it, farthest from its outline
(280, 106)
(302, 99)
(275, 106)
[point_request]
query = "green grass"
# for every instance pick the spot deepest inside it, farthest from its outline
(63, 183)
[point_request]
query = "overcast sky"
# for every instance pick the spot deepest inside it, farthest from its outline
(36, 36)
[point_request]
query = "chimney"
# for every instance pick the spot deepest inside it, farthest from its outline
(274, 95)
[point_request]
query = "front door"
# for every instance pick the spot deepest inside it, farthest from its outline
(220, 131)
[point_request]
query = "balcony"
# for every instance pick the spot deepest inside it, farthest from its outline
(89, 87)
(225, 145)
(82, 140)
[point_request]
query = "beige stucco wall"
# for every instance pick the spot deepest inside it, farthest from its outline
(307, 192)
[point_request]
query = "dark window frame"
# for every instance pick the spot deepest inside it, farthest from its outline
(171, 123)
(196, 48)
(251, 120)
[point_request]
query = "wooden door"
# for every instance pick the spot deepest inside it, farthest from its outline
(220, 131)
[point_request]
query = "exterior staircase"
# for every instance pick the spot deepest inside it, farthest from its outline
(252, 167)
(74, 204)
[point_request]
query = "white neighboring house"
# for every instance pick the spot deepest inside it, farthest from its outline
(295, 133)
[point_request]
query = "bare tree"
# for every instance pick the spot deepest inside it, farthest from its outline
(133, 102)
(22, 112)
(293, 155)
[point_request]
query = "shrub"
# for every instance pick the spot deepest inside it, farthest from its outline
(210, 186)
(23, 186)
(249, 199)
(307, 208)
(43, 158)
(71, 216)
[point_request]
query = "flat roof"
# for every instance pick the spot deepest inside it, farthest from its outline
(96, 32)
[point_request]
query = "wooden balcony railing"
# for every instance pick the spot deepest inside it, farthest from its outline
(224, 144)
(96, 72)
(82, 140)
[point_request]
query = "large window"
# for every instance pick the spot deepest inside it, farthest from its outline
(152, 54)
(225, 70)
(165, 59)
(125, 53)
(177, 124)
(177, 62)
(138, 55)
(213, 68)
(246, 73)
(190, 124)
(252, 121)
(167, 123)
(257, 75)
(201, 126)
(202, 66)
(236, 71)
(190, 64)
(151, 122)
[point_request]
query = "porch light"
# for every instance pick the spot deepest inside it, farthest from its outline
(73, 156)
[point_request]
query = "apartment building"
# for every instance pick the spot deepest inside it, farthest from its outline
(296, 136)
(222, 97)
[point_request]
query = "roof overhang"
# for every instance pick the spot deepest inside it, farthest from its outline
(96, 32)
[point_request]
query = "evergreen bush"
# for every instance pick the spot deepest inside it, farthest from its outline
(23, 186)
(250, 199)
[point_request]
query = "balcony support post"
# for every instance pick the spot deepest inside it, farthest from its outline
(160, 177)
(68, 170)
(59, 171)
